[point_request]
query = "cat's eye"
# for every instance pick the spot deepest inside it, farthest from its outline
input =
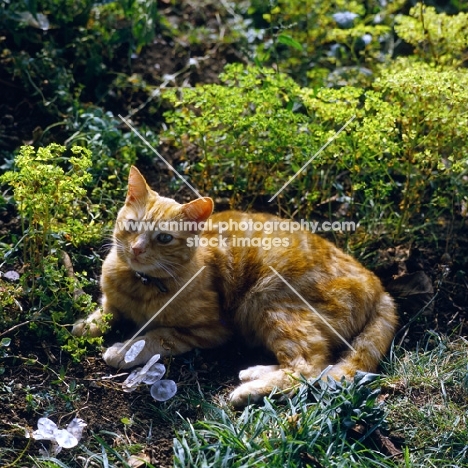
(130, 225)
(164, 238)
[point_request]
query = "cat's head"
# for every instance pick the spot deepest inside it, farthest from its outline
(151, 231)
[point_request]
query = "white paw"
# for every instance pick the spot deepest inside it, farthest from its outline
(85, 327)
(128, 354)
(250, 392)
(256, 372)
(115, 356)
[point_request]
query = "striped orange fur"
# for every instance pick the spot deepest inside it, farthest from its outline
(238, 293)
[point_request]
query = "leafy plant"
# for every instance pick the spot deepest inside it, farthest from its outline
(320, 42)
(112, 152)
(394, 165)
(60, 49)
(239, 127)
(318, 423)
(48, 188)
(436, 37)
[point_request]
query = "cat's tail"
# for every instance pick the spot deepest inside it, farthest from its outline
(367, 349)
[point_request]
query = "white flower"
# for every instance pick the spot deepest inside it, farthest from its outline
(60, 438)
(151, 373)
(345, 19)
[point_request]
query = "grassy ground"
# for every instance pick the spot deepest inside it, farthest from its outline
(415, 415)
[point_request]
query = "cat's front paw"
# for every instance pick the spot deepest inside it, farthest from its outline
(86, 327)
(124, 355)
(114, 356)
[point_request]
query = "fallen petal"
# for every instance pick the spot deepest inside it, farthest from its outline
(45, 429)
(163, 390)
(65, 439)
(137, 376)
(134, 351)
(154, 373)
(133, 380)
(11, 275)
(150, 363)
(75, 428)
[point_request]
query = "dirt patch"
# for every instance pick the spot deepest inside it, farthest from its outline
(43, 382)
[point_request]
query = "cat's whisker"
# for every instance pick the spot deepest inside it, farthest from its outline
(119, 245)
(108, 245)
(162, 266)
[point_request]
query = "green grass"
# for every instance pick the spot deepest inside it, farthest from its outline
(319, 424)
(428, 401)
(335, 425)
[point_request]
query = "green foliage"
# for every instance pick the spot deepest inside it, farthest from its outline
(316, 424)
(324, 42)
(240, 128)
(432, 128)
(395, 163)
(143, 15)
(60, 48)
(112, 151)
(437, 37)
(48, 187)
(55, 212)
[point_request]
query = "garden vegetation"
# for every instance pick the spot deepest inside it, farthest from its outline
(391, 75)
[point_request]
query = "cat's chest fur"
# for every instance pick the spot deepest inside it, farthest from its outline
(132, 297)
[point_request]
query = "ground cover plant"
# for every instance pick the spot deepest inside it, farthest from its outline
(238, 97)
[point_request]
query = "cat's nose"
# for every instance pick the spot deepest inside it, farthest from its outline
(138, 251)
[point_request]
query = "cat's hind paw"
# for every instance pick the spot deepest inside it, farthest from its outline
(256, 372)
(250, 392)
(264, 380)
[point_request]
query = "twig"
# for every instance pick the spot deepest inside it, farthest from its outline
(16, 326)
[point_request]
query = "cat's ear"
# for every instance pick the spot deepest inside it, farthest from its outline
(198, 210)
(137, 187)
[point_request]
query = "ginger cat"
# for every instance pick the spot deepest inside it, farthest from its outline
(238, 292)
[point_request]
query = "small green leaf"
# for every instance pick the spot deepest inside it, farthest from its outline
(289, 41)
(5, 342)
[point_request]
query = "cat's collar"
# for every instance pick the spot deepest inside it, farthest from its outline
(146, 280)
